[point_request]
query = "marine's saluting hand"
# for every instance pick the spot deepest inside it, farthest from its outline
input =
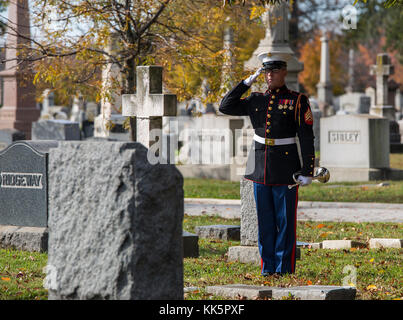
(251, 79)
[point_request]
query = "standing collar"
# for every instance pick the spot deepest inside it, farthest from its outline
(277, 90)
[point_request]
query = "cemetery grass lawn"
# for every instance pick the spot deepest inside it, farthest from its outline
(378, 271)
(334, 192)
(21, 275)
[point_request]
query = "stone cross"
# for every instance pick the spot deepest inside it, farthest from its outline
(148, 105)
(382, 70)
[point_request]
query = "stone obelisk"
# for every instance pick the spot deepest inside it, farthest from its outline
(19, 106)
(276, 39)
(325, 95)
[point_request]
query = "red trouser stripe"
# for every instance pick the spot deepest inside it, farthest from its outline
(295, 233)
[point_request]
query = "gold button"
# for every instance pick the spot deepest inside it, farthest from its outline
(271, 102)
(256, 109)
(286, 152)
(270, 108)
(267, 130)
(277, 90)
(273, 96)
(269, 115)
(310, 172)
(268, 123)
(284, 112)
(311, 166)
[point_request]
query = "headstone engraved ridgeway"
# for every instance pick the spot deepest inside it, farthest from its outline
(23, 184)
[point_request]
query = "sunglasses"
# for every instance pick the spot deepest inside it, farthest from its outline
(272, 70)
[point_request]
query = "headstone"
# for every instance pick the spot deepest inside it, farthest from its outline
(342, 244)
(354, 103)
(24, 183)
(313, 292)
(116, 227)
(376, 243)
(149, 105)
(371, 93)
(275, 20)
(362, 140)
(56, 130)
(219, 231)
(8, 136)
(190, 245)
(19, 108)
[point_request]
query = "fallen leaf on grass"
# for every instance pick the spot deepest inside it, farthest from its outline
(5, 278)
(319, 226)
(309, 282)
(372, 287)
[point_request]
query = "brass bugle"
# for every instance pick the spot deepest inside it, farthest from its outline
(322, 175)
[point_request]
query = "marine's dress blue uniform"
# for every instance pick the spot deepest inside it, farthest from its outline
(275, 114)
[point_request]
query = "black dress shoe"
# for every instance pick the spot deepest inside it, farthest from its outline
(267, 274)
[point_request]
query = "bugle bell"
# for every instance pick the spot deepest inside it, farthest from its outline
(322, 175)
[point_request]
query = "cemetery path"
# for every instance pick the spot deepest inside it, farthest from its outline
(307, 210)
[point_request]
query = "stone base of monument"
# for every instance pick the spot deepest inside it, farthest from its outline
(250, 254)
(314, 292)
(24, 238)
(363, 174)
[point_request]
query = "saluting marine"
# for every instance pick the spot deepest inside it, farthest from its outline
(278, 116)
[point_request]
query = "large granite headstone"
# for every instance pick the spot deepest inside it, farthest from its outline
(23, 184)
(115, 223)
(355, 147)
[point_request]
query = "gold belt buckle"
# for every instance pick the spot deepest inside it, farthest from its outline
(269, 142)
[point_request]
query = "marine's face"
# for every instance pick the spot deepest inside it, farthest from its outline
(275, 78)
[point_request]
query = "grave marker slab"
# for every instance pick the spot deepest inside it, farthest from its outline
(24, 184)
(56, 130)
(115, 227)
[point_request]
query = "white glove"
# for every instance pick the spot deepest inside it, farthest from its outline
(304, 180)
(251, 79)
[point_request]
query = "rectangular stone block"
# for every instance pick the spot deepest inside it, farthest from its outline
(316, 292)
(115, 223)
(342, 244)
(24, 238)
(219, 231)
(376, 243)
(56, 130)
(240, 290)
(303, 292)
(250, 254)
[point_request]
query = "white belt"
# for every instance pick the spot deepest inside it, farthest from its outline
(274, 142)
